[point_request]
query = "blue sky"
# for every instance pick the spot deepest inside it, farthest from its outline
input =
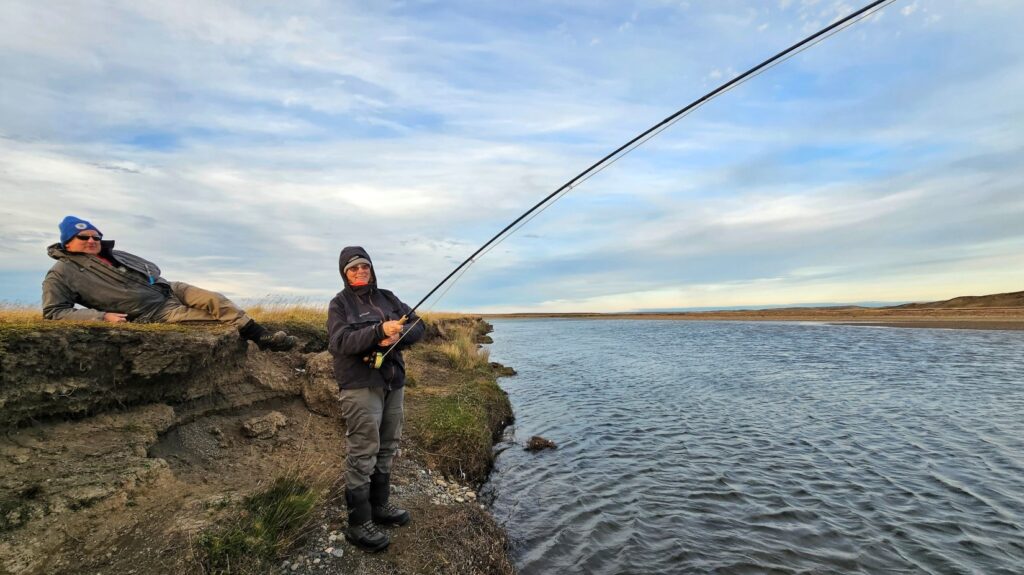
(241, 145)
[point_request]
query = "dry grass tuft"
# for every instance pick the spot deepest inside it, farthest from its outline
(463, 352)
(289, 312)
(15, 313)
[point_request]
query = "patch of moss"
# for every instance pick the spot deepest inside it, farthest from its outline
(16, 511)
(13, 514)
(21, 327)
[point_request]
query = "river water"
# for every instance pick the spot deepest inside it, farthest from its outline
(756, 447)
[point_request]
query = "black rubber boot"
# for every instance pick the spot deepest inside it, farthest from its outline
(277, 341)
(361, 530)
(384, 512)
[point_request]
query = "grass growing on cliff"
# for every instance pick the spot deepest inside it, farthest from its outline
(270, 523)
(455, 431)
(14, 313)
(456, 409)
(462, 351)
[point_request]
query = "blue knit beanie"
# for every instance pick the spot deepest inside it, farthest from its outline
(71, 225)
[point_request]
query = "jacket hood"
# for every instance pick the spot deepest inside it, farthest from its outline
(57, 251)
(347, 254)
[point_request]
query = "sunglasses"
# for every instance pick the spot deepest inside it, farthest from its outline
(86, 238)
(358, 268)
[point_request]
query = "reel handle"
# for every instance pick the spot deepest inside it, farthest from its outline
(376, 359)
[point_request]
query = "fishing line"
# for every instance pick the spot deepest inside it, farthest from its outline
(640, 140)
(650, 134)
(670, 120)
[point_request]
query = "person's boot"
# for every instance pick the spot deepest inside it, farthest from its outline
(361, 530)
(277, 341)
(383, 512)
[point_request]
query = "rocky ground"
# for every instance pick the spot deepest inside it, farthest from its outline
(123, 447)
(451, 532)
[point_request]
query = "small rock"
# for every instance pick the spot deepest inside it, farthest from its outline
(264, 426)
(538, 443)
(471, 494)
(501, 370)
(295, 567)
(338, 552)
(332, 538)
(460, 500)
(316, 561)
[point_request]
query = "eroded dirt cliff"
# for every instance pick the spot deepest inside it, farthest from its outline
(122, 446)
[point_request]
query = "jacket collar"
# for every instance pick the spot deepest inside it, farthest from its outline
(57, 251)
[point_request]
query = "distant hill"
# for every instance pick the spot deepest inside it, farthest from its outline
(1013, 299)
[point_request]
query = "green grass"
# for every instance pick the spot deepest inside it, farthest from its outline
(456, 408)
(269, 523)
(454, 428)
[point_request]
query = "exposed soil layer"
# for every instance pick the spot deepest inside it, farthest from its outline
(84, 369)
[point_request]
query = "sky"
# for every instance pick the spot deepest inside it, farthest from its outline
(241, 145)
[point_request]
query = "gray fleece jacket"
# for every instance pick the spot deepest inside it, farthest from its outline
(132, 285)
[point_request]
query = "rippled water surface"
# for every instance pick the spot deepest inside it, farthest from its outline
(693, 447)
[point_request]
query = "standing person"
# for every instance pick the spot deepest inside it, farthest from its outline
(119, 287)
(363, 319)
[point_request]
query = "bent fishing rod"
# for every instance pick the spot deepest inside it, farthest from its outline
(377, 358)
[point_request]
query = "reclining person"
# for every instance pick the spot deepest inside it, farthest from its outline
(118, 286)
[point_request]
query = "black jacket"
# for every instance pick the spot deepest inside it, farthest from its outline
(354, 330)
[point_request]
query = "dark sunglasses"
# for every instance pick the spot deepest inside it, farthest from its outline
(86, 238)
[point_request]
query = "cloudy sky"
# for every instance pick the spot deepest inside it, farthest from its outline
(241, 145)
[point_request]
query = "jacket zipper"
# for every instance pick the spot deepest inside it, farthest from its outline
(384, 317)
(112, 271)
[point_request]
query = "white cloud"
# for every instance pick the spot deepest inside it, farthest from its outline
(284, 132)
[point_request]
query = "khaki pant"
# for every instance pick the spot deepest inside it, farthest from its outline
(373, 421)
(190, 303)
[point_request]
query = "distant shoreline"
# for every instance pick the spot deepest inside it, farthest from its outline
(942, 318)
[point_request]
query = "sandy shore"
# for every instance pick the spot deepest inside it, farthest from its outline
(946, 318)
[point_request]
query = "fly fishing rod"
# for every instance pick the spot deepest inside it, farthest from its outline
(377, 358)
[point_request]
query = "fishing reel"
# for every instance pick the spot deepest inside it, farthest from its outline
(374, 360)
